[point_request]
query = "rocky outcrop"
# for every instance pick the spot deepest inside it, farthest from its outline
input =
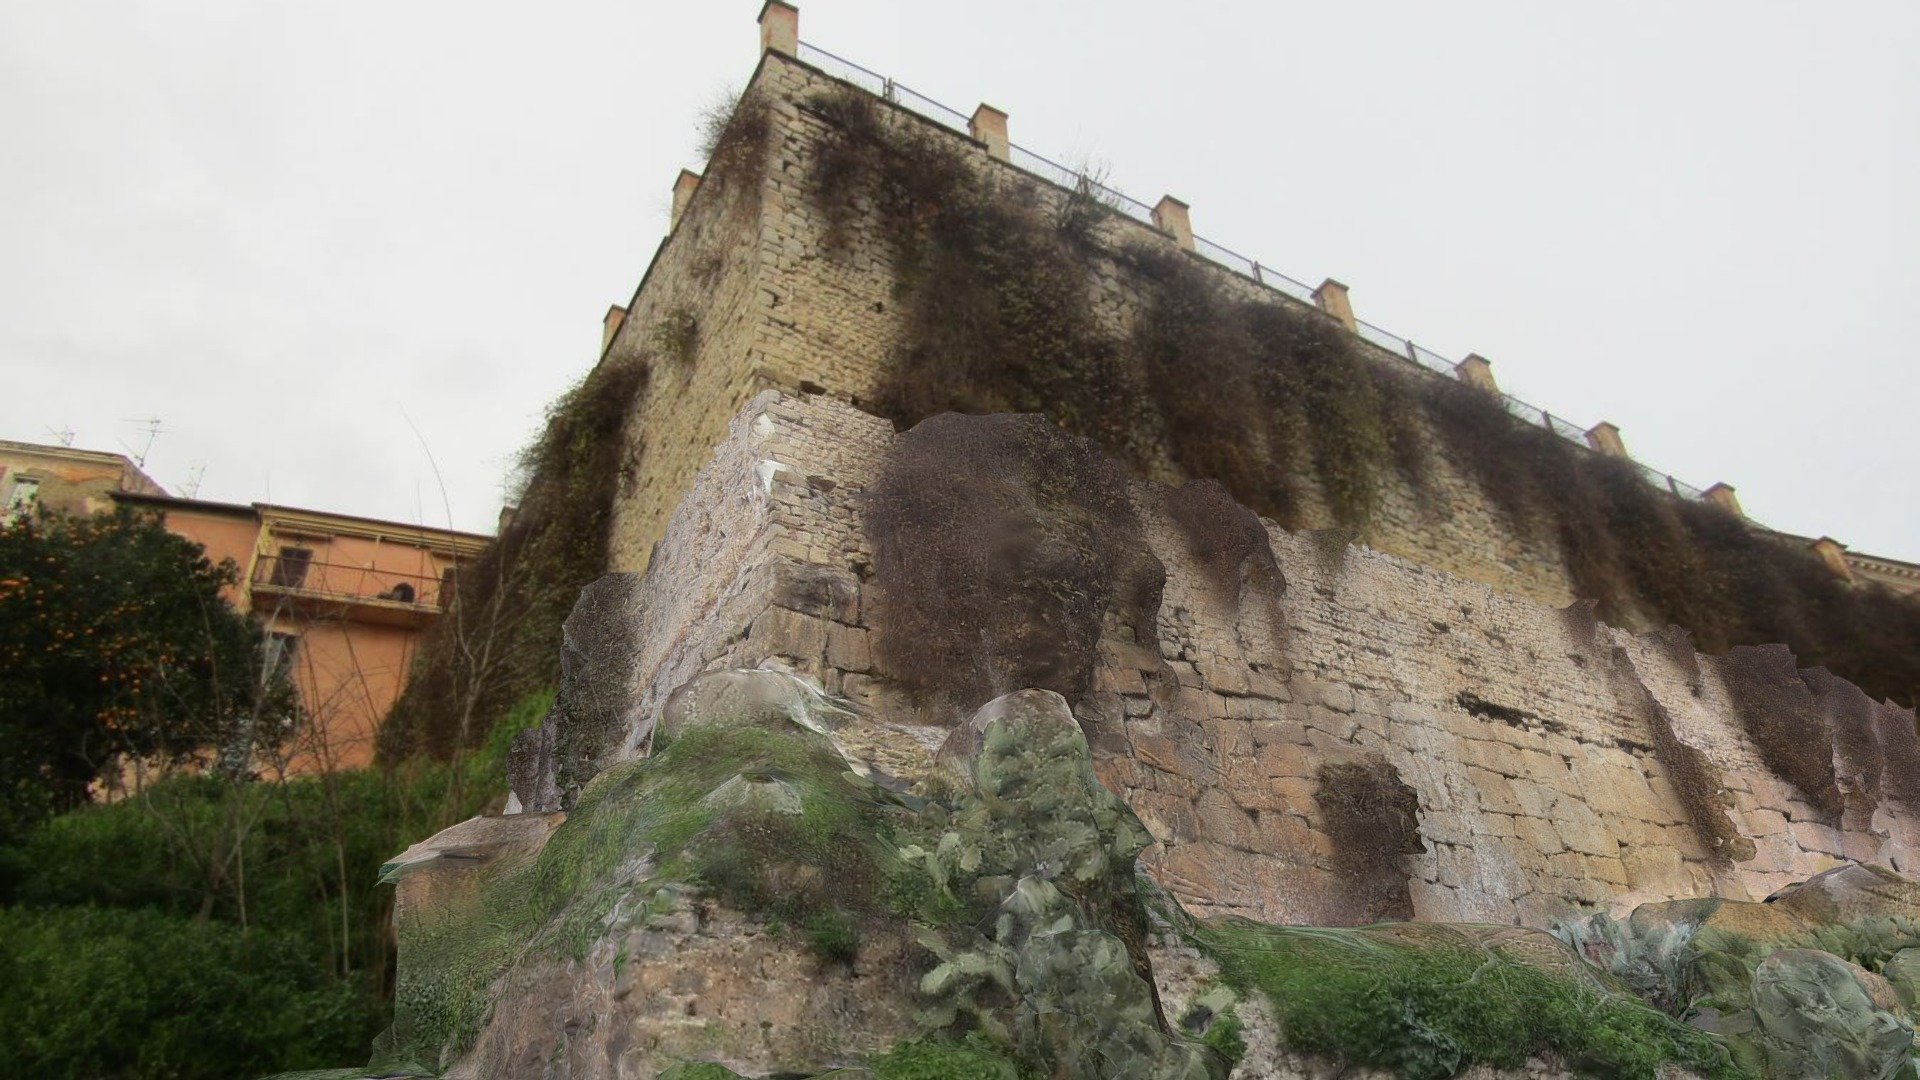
(1793, 982)
(744, 902)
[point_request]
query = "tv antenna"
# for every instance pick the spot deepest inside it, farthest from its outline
(62, 435)
(191, 489)
(154, 431)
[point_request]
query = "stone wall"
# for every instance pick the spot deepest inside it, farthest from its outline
(1531, 735)
(789, 310)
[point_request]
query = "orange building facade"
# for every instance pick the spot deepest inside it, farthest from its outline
(64, 479)
(346, 600)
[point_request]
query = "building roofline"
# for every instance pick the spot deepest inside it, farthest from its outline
(95, 457)
(314, 517)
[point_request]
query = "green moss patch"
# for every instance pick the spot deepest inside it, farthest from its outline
(1431, 1011)
(694, 815)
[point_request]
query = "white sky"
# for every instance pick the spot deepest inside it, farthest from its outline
(297, 232)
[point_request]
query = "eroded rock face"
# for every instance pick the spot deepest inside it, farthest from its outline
(593, 709)
(743, 900)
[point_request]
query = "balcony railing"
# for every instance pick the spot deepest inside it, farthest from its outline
(308, 579)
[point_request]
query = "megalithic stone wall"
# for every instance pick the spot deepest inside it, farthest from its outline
(775, 305)
(1554, 762)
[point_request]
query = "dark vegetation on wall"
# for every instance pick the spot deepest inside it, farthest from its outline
(1373, 818)
(500, 638)
(1002, 548)
(1285, 407)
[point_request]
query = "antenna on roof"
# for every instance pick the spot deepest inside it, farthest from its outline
(191, 489)
(154, 431)
(62, 435)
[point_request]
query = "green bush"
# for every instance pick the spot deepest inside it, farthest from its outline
(209, 927)
(99, 993)
(944, 1061)
(1429, 1012)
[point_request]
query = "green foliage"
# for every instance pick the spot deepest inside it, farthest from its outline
(500, 639)
(95, 993)
(1224, 1036)
(640, 831)
(926, 1060)
(115, 643)
(1429, 1012)
(250, 910)
(699, 1070)
(676, 337)
(1032, 907)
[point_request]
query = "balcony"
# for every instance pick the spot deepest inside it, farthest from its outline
(312, 589)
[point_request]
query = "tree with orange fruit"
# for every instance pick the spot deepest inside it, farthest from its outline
(116, 647)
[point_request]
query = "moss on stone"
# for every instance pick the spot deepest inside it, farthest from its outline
(815, 858)
(927, 1060)
(1430, 1011)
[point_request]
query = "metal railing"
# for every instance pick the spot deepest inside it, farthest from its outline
(335, 581)
(1079, 179)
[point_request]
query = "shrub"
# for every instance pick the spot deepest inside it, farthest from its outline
(96, 993)
(1429, 1011)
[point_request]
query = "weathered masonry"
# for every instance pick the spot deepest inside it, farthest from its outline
(1264, 699)
(755, 289)
(1556, 762)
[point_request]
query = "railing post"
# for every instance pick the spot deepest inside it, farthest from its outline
(610, 325)
(1332, 298)
(780, 28)
(989, 125)
(684, 186)
(1170, 216)
(1605, 438)
(1477, 370)
(1722, 495)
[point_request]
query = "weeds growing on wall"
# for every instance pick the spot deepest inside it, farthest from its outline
(996, 290)
(1372, 818)
(1651, 559)
(1265, 398)
(1284, 406)
(500, 638)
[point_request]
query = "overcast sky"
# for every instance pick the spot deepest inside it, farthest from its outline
(300, 233)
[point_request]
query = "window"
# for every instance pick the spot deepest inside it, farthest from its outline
(290, 567)
(20, 500)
